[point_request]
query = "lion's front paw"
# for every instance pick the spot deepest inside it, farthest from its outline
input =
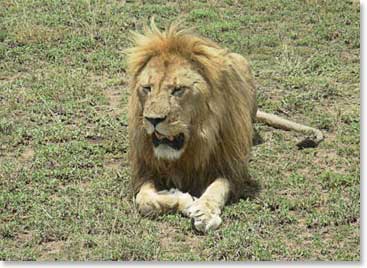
(147, 204)
(205, 215)
(184, 200)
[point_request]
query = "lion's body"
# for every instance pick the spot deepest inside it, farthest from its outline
(191, 111)
(221, 136)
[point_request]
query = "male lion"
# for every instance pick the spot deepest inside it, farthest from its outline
(191, 111)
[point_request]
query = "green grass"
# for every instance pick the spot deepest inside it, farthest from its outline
(64, 175)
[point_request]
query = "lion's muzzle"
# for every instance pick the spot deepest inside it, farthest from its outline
(155, 120)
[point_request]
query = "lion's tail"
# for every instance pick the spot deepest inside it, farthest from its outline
(315, 136)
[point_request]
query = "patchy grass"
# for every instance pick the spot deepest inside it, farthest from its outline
(63, 169)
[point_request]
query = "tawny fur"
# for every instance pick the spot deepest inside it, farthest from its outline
(221, 134)
(222, 129)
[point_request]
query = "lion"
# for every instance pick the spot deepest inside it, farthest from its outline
(191, 111)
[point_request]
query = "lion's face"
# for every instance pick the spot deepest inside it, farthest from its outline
(170, 92)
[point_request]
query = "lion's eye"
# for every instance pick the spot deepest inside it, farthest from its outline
(146, 89)
(178, 91)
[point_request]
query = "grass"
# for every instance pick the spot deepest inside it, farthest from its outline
(64, 175)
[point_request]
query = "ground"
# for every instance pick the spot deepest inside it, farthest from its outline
(64, 174)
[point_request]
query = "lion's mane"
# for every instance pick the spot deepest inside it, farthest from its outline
(221, 137)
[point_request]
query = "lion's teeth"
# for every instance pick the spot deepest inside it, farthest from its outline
(159, 136)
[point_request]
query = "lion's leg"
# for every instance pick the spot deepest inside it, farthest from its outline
(151, 202)
(206, 210)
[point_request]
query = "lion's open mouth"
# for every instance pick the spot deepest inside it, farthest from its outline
(175, 142)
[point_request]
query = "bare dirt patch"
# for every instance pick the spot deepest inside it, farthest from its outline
(24, 237)
(172, 241)
(50, 249)
(114, 90)
(27, 154)
(113, 164)
(114, 98)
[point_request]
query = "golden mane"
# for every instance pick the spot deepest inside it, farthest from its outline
(221, 138)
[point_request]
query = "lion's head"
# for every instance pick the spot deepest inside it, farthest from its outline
(189, 109)
(170, 91)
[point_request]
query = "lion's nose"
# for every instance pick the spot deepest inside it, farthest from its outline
(155, 120)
